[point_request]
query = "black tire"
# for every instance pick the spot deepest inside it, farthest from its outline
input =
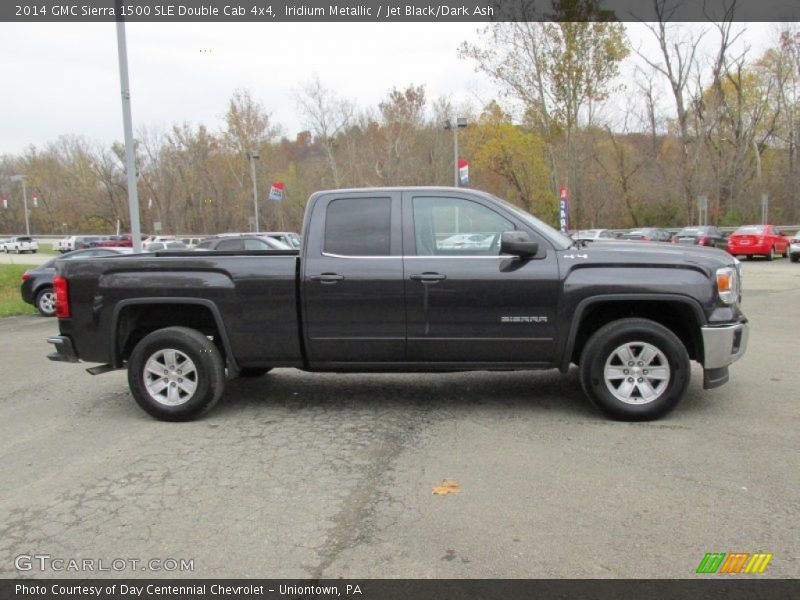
(45, 302)
(602, 346)
(208, 375)
(771, 254)
(794, 257)
(251, 372)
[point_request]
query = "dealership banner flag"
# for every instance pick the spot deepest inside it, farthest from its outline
(463, 172)
(4, 200)
(35, 199)
(563, 213)
(276, 192)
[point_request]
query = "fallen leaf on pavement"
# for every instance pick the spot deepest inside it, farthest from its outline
(446, 487)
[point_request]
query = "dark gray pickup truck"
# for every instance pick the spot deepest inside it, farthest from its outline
(408, 279)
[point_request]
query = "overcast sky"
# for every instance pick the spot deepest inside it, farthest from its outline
(63, 78)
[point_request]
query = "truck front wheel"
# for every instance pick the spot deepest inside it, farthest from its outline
(634, 369)
(176, 374)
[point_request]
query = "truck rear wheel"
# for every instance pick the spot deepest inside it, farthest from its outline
(176, 374)
(634, 369)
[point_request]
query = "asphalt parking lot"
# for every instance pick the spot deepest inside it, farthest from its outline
(323, 475)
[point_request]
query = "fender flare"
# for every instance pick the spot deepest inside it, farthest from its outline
(230, 360)
(692, 303)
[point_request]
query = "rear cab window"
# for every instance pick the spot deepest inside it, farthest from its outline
(358, 227)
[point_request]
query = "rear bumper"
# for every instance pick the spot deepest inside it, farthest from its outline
(65, 351)
(722, 346)
(750, 249)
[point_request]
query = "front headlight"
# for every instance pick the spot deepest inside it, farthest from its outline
(728, 284)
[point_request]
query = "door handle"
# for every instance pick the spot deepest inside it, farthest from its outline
(428, 277)
(327, 278)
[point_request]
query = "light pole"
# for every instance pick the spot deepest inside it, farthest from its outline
(460, 123)
(253, 156)
(127, 126)
(24, 201)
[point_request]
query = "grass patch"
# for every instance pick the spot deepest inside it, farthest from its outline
(10, 299)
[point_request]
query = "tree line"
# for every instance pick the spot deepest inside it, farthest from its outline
(724, 126)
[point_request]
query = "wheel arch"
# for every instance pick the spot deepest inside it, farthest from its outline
(682, 315)
(134, 318)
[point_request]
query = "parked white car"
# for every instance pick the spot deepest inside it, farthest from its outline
(595, 235)
(190, 241)
(64, 244)
(20, 244)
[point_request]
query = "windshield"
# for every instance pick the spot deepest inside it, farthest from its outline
(749, 229)
(561, 240)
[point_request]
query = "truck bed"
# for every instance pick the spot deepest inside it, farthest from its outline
(252, 294)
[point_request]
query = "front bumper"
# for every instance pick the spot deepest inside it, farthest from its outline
(65, 351)
(722, 346)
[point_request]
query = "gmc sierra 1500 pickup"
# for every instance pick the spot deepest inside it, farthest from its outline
(408, 279)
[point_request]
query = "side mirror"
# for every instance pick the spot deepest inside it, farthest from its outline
(518, 243)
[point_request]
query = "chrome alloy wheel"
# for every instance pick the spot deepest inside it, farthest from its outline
(170, 377)
(47, 302)
(637, 373)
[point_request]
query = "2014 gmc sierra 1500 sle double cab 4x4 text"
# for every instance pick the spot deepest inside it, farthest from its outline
(408, 279)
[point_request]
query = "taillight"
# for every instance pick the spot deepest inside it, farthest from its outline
(62, 297)
(26, 276)
(703, 241)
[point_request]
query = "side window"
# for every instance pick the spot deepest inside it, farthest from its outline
(230, 245)
(457, 227)
(358, 227)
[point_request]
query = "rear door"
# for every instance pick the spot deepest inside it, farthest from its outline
(469, 304)
(353, 280)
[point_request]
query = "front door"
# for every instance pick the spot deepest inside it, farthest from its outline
(465, 302)
(353, 280)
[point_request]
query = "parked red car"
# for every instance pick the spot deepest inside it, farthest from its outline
(758, 240)
(116, 241)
